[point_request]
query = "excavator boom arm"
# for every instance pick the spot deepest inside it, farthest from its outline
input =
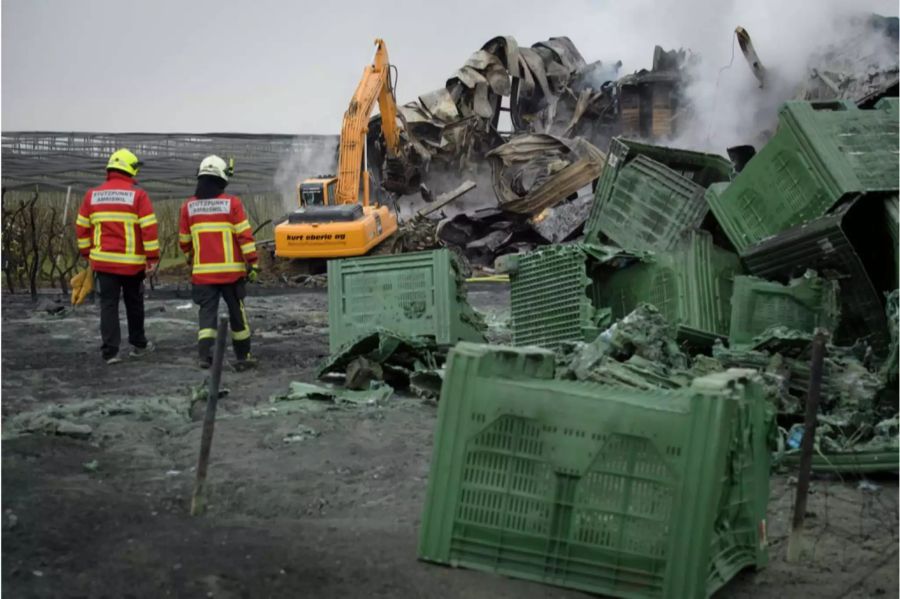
(374, 84)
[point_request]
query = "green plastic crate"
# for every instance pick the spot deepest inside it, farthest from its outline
(550, 297)
(691, 286)
(823, 152)
(415, 294)
(613, 491)
(649, 195)
(757, 304)
(851, 245)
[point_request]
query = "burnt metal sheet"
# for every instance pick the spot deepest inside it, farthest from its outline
(536, 171)
(440, 104)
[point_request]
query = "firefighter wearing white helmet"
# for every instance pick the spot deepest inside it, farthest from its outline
(216, 235)
(215, 167)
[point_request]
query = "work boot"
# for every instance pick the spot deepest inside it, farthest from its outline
(114, 359)
(204, 362)
(139, 352)
(246, 363)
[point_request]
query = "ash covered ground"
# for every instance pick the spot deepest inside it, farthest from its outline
(306, 498)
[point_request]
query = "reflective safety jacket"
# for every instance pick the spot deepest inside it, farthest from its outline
(116, 227)
(217, 233)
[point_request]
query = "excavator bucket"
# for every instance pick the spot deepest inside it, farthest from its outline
(400, 176)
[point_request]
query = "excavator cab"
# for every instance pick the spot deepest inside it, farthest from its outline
(318, 191)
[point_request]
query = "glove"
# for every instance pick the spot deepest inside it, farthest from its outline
(253, 273)
(152, 266)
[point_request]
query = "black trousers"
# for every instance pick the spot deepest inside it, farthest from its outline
(131, 288)
(207, 297)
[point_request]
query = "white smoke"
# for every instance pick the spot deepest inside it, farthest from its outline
(729, 107)
(308, 157)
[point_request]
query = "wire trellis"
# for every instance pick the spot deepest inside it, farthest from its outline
(57, 160)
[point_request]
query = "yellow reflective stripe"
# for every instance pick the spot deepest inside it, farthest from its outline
(117, 257)
(219, 267)
(97, 231)
(195, 242)
(184, 237)
(84, 243)
(206, 227)
(146, 221)
(242, 226)
(245, 332)
(129, 238)
(248, 248)
(228, 244)
(151, 245)
(206, 334)
(113, 217)
(83, 221)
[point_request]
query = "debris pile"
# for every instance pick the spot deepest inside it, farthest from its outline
(560, 109)
(742, 267)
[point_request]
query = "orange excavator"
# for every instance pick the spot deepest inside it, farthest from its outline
(339, 216)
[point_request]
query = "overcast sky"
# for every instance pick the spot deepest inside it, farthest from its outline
(267, 66)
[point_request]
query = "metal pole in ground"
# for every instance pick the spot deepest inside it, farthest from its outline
(198, 500)
(795, 541)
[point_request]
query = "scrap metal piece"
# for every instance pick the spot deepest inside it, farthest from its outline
(447, 197)
(536, 171)
(759, 71)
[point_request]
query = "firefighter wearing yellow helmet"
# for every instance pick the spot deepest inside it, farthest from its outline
(117, 232)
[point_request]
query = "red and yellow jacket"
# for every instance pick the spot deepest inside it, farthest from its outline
(116, 227)
(217, 233)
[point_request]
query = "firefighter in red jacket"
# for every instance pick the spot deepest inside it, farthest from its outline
(215, 233)
(116, 231)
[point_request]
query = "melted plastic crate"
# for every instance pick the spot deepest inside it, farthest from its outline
(822, 152)
(549, 297)
(415, 294)
(612, 491)
(691, 286)
(850, 245)
(802, 305)
(649, 195)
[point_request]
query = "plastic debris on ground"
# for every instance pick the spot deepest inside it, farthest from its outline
(384, 356)
(374, 396)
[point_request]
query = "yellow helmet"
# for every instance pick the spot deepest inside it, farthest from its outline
(123, 160)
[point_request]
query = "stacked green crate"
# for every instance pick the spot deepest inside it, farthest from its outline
(613, 491)
(823, 152)
(802, 305)
(420, 294)
(649, 195)
(691, 286)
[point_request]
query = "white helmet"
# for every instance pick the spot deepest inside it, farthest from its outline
(217, 167)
